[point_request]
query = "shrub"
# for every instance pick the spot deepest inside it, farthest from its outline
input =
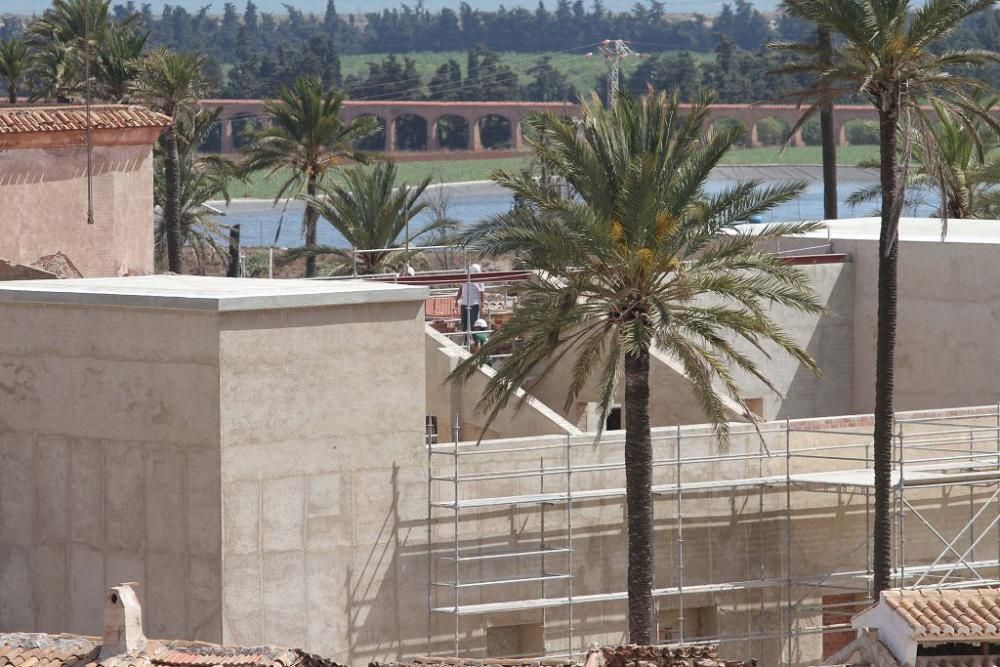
(726, 123)
(861, 132)
(811, 132)
(772, 131)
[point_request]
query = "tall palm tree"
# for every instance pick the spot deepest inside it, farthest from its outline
(202, 178)
(14, 64)
(828, 140)
(888, 58)
(304, 139)
(371, 210)
(641, 256)
(172, 83)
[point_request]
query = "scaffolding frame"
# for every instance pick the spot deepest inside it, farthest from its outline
(960, 451)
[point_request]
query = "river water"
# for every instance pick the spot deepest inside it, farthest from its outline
(259, 220)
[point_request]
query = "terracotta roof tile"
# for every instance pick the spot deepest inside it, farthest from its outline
(26, 119)
(941, 615)
(41, 650)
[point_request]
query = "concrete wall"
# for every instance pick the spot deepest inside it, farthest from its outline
(947, 328)
(948, 324)
(829, 337)
(324, 486)
(109, 465)
(446, 399)
(44, 195)
(671, 399)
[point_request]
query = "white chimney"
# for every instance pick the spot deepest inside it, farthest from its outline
(122, 622)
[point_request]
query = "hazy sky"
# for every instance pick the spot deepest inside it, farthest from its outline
(318, 6)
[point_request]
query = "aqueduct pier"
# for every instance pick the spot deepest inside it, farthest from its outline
(429, 119)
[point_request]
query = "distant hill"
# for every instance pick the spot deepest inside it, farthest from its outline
(28, 7)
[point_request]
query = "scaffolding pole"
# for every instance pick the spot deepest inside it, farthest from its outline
(972, 454)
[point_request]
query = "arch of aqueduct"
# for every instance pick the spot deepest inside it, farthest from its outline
(390, 112)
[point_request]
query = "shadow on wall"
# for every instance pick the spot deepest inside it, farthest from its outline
(831, 344)
(373, 596)
(32, 166)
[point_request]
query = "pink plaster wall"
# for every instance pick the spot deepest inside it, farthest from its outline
(43, 207)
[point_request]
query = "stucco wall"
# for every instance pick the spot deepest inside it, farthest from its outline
(44, 195)
(324, 487)
(109, 467)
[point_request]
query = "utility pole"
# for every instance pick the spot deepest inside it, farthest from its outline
(614, 51)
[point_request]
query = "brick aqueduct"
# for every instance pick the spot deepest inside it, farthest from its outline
(473, 114)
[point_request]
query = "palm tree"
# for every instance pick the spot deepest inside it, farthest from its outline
(13, 65)
(828, 140)
(202, 178)
(305, 137)
(118, 59)
(70, 22)
(962, 168)
(71, 31)
(887, 58)
(172, 83)
(371, 211)
(641, 256)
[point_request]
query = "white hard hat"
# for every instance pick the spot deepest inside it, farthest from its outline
(475, 268)
(480, 323)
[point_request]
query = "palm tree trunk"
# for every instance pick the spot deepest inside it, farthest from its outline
(171, 201)
(827, 137)
(885, 344)
(12, 92)
(639, 492)
(309, 225)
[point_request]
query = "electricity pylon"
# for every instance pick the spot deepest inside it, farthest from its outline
(614, 51)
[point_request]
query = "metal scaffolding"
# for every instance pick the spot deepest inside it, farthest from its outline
(792, 462)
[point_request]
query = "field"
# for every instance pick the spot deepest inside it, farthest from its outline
(451, 171)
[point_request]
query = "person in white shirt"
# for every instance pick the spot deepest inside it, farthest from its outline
(470, 298)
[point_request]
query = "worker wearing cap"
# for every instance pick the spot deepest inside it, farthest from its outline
(470, 298)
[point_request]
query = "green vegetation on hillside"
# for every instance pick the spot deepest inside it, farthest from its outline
(581, 72)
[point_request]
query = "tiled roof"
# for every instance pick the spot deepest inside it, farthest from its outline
(26, 119)
(669, 655)
(957, 661)
(948, 615)
(40, 650)
(665, 655)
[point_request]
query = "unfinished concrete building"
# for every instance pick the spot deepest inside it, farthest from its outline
(255, 454)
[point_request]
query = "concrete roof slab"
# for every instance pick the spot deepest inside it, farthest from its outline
(174, 292)
(927, 230)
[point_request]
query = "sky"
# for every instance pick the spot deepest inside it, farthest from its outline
(353, 6)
